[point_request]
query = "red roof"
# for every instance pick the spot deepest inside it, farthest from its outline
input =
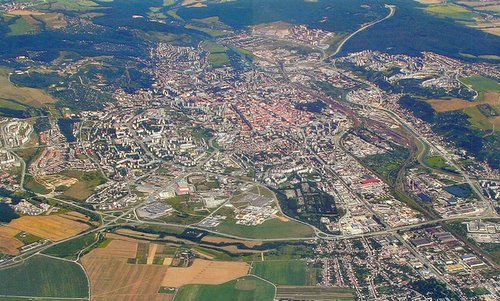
(369, 181)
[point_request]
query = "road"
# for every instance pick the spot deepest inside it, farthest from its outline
(392, 10)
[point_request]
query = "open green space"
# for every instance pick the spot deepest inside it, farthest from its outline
(27, 238)
(247, 288)
(32, 184)
(477, 119)
(315, 293)
(438, 162)
(290, 272)
(453, 11)
(42, 276)
(23, 95)
(71, 248)
(218, 54)
(212, 32)
(23, 25)
(87, 181)
(481, 83)
(273, 228)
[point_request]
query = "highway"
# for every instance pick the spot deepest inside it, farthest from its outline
(392, 10)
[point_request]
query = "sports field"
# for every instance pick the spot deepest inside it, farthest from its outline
(42, 276)
(288, 272)
(247, 288)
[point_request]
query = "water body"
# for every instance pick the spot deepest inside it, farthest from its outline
(6, 213)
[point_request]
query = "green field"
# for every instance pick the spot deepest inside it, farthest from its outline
(481, 83)
(87, 181)
(71, 248)
(453, 11)
(477, 119)
(23, 25)
(32, 184)
(315, 293)
(247, 288)
(438, 162)
(273, 228)
(42, 276)
(292, 272)
(213, 32)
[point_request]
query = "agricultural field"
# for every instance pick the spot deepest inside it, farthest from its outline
(453, 11)
(41, 276)
(72, 248)
(467, 13)
(138, 268)
(205, 272)
(247, 288)
(23, 95)
(54, 227)
(273, 228)
(9, 244)
(452, 104)
(290, 272)
(484, 111)
(112, 278)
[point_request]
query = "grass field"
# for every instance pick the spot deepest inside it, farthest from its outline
(87, 181)
(70, 249)
(438, 162)
(213, 32)
(477, 119)
(218, 54)
(247, 288)
(32, 184)
(29, 96)
(481, 83)
(42, 276)
(453, 11)
(315, 293)
(273, 228)
(24, 25)
(291, 272)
